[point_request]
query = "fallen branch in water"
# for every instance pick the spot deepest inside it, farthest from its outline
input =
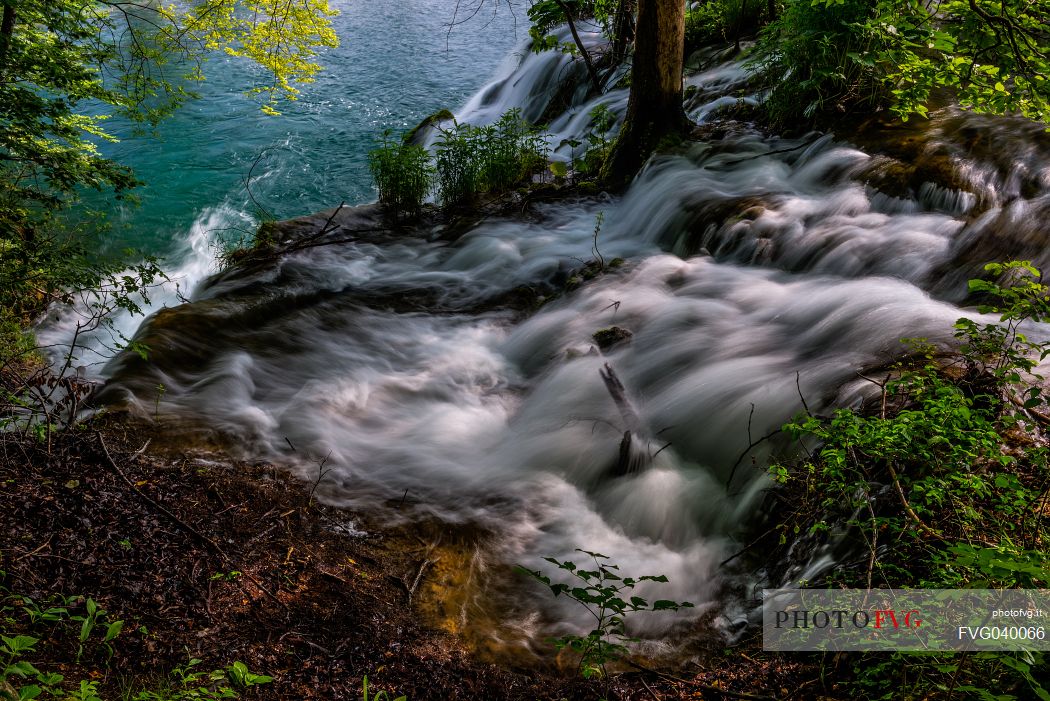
(629, 460)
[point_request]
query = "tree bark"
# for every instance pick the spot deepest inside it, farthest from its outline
(739, 26)
(591, 71)
(7, 30)
(623, 30)
(654, 109)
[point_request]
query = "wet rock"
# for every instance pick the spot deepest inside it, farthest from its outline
(611, 337)
(418, 135)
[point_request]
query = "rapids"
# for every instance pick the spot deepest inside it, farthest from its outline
(760, 271)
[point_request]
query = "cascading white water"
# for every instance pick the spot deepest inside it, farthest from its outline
(757, 269)
(77, 330)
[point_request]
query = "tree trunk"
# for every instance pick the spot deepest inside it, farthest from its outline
(654, 110)
(591, 71)
(739, 26)
(623, 30)
(7, 30)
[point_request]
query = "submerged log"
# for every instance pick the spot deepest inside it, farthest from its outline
(634, 453)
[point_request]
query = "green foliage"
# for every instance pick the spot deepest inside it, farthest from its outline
(91, 619)
(722, 20)
(92, 630)
(599, 140)
(379, 695)
(242, 678)
(458, 164)
(855, 54)
(606, 596)
(189, 683)
(402, 174)
(545, 15)
(982, 676)
(964, 510)
(706, 23)
(599, 143)
(492, 159)
(809, 53)
(469, 161)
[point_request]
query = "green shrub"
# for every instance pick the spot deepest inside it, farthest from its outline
(402, 174)
(599, 141)
(718, 21)
(458, 164)
(606, 596)
(493, 159)
(830, 56)
(91, 632)
(379, 695)
(510, 151)
(957, 441)
(815, 56)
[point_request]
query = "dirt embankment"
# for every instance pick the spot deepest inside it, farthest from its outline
(203, 556)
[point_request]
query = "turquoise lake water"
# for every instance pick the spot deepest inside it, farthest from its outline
(397, 63)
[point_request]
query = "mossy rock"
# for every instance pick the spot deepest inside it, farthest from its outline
(416, 136)
(610, 337)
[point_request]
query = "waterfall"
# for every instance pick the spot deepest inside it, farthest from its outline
(761, 272)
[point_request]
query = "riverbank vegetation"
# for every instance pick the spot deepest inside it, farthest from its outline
(941, 481)
(65, 68)
(111, 586)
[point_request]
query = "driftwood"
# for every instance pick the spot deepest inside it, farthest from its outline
(619, 395)
(634, 454)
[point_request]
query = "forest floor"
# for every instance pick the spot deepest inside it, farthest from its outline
(204, 556)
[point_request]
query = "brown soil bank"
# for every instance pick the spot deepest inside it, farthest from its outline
(207, 557)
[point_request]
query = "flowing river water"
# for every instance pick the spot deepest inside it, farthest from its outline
(760, 272)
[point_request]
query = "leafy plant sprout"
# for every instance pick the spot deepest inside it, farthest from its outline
(605, 595)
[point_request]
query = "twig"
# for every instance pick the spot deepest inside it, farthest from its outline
(763, 439)
(178, 521)
(34, 552)
(798, 386)
(141, 450)
(747, 547)
(907, 507)
(771, 153)
(665, 447)
(591, 71)
(619, 395)
(698, 685)
(419, 577)
(649, 688)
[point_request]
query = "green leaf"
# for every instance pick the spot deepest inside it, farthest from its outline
(22, 669)
(20, 643)
(113, 630)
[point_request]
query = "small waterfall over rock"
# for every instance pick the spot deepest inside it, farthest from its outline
(758, 269)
